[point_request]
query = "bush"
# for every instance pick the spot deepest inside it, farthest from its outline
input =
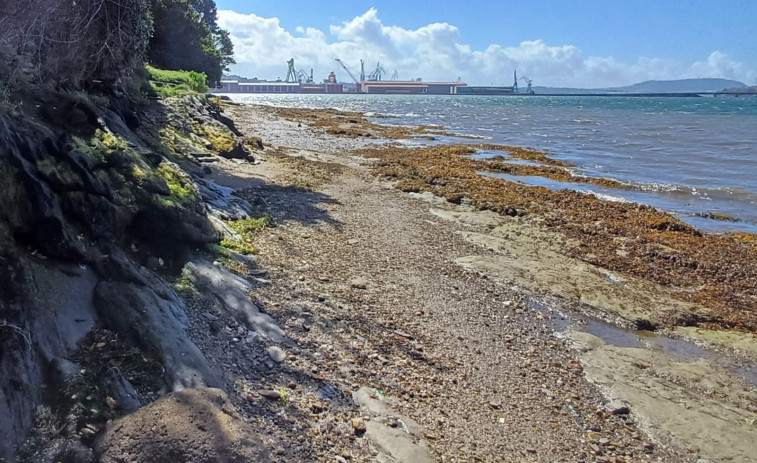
(176, 83)
(186, 36)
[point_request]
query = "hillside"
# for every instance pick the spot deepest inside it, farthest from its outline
(653, 86)
(681, 85)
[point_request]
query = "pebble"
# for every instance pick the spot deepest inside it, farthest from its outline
(277, 354)
(270, 395)
(359, 283)
(358, 424)
(402, 334)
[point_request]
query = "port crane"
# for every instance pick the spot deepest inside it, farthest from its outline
(395, 76)
(346, 69)
(529, 90)
(377, 72)
(304, 78)
(292, 72)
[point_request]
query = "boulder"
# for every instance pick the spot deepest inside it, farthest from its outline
(190, 426)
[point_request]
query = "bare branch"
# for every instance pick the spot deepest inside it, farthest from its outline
(16, 329)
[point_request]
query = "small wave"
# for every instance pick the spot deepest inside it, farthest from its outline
(584, 121)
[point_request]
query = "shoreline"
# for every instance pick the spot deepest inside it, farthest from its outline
(510, 265)
(705, 268)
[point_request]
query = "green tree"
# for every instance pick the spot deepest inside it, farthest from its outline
(186, 36)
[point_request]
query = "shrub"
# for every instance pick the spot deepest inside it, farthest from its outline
(176, 83)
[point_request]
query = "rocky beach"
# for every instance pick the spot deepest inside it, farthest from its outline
(295, 285)
(487, 331)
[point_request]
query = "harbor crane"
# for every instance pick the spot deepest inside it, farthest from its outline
(292, 72)
(304, 78)
(515, 81)
(529, 90)
(346, 69)
(377, 72)
(395, 76)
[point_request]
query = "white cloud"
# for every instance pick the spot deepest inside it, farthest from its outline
(434, 52)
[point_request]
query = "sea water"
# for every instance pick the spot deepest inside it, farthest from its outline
(693, 157)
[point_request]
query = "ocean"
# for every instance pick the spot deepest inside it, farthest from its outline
(693, 157)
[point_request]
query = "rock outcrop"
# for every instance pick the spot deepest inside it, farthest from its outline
(99, 203)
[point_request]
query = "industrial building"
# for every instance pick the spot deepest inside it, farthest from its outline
(234, 86)
(410, 87)
(370, 83)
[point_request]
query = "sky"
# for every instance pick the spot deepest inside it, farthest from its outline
(557, 43)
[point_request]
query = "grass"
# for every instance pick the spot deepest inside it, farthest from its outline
(283, 396)
(176, 83)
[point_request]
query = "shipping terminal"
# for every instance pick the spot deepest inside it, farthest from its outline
(371, 83)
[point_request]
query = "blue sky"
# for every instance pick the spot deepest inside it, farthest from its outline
(579, 43)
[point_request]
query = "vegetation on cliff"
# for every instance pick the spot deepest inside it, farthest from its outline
(95, 45)
(186, 36)
(103, 198)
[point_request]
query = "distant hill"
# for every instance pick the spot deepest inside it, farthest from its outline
(654, 86)
(683, 85)
(739, 91)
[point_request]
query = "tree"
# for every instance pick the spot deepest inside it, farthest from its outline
(186, 36)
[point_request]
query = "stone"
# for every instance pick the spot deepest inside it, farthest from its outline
(402, 444)
(231, 291)
(358, 425)
(618, 407)
(64, 451)
(277, 354)
(154, 318)
(402, 334)
(121, 391)
(359, 283)
(270, 395)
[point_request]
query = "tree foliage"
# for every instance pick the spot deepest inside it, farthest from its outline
(76, 44)
(187, 37)
(67, 43)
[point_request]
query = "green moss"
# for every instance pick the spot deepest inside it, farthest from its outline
(221, 141)
(183, 192)
(183, 283)
(176, 83)
(247, 229)
(250, 226)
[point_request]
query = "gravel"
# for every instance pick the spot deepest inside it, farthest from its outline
(363, 280)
